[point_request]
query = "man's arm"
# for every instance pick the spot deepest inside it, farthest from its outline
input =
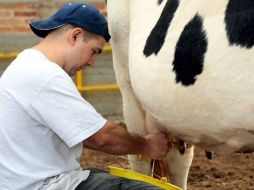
(114, 139)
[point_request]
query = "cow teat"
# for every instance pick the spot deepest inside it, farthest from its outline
(209, 154)
(182, 147)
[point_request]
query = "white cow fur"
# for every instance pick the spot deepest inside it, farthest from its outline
(216, 112)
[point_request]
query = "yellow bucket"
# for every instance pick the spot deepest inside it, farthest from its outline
(130, 174)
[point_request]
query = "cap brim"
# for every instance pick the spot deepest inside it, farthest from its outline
(42, 27)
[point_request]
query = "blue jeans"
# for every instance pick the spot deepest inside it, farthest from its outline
(101, 180)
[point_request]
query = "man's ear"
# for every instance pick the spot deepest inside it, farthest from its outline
(75, 35)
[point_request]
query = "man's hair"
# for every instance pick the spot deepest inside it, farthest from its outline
(88, 35)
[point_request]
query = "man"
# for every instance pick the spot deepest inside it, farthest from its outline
(43, 119)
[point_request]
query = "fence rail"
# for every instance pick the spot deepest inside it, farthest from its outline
(79, 75)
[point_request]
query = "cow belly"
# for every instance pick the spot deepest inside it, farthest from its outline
(217, 109)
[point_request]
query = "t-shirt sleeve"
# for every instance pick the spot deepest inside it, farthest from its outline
(61, 108)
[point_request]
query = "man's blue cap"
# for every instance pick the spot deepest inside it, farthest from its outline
(80, 15)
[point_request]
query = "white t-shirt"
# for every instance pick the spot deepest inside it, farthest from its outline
(43, 121)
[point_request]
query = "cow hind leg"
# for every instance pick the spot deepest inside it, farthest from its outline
(118, 17)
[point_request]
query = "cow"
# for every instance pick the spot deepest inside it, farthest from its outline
(185, 67)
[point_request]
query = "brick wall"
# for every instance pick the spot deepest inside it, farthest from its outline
(14, 15)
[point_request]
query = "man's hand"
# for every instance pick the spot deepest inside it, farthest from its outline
(158, 145)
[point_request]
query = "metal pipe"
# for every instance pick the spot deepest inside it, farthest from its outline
(11, 55)
(99, 87)
(79, 74)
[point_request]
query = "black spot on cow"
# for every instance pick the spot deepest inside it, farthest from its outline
(157, 36)
(159, 2)
(239, 19)
(190, 51)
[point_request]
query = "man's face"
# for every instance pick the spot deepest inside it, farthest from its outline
(84, 54)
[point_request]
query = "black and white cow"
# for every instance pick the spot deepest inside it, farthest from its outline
(186, 67)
